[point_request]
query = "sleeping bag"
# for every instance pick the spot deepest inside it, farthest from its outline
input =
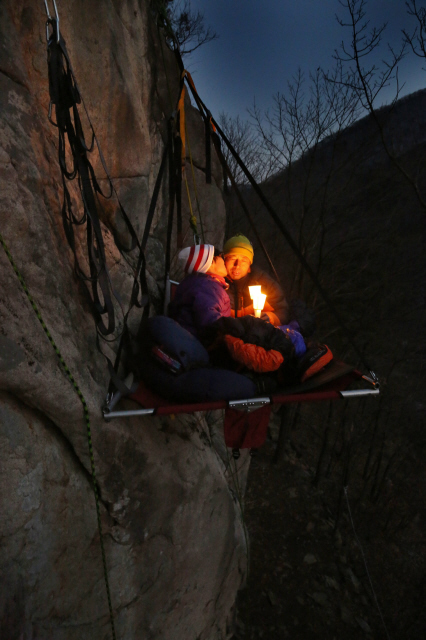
(256, 344)
(174, 364)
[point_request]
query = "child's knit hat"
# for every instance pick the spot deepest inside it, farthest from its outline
(197, 258)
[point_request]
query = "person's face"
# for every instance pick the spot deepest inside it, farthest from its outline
(218, 267)
(237, 266)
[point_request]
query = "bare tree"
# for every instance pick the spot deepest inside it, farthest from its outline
(368, 80)
(365, 78)
(247, 144)
(292, 133)
(299, 120)
(189, 29)
(417, 39)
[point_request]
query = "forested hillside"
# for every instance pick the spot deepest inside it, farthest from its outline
(361, 225)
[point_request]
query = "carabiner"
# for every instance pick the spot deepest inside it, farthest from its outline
(50, 20)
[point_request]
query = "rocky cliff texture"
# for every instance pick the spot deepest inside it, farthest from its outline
(174, 543)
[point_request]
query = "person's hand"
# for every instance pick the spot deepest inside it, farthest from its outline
(265, 317)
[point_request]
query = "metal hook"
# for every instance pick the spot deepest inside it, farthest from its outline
(373, 380)
(50, 18)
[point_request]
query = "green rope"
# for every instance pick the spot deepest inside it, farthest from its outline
(192, 218)
(240, 500)
(86, 417)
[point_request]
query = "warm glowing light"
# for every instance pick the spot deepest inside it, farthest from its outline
(254, 290)
(259, 303)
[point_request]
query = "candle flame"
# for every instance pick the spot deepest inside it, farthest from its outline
(254, 290)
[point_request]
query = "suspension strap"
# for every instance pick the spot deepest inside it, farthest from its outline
(179, 162)
(182, 125)
(297, 251)
(193, 220)
(216, 142)
(207, 128)
(210, 127)
(87, 421)
(206, 115)
(183, 138)
(139, 283)
(172, 192)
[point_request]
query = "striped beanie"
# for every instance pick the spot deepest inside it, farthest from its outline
(197, 258)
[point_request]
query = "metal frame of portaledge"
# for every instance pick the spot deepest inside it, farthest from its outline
(248, 404)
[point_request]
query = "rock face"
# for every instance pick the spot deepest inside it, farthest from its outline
(173, 537)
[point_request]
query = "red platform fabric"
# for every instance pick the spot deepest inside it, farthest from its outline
(246, 429)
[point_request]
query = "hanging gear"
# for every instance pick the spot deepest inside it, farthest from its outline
(64, 100)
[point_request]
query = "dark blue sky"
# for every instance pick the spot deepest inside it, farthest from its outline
(263, 42)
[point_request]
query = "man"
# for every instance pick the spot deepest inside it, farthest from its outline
(238, 254)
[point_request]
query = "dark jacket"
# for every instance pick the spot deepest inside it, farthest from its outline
(199, 301)
(276, 306)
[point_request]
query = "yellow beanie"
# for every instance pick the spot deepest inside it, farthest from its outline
(240, 245)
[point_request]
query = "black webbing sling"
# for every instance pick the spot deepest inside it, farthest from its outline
(139, 283)
(172, 158)
(65, 97)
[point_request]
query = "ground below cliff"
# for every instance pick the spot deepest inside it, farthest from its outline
(308, 579)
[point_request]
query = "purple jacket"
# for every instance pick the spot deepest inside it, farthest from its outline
(199, 301)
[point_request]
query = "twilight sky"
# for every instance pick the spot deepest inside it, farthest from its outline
(263, 42)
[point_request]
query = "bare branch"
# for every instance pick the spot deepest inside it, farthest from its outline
(189, 28)
(416, 40)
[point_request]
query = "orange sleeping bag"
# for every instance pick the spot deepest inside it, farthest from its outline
(253, 357)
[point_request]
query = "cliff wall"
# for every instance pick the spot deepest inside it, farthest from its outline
(174, 543)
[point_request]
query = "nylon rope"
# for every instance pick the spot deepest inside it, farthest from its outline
(192, 218)
(184, 138)
(195, 187)
(86, 418)
(234, 478)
